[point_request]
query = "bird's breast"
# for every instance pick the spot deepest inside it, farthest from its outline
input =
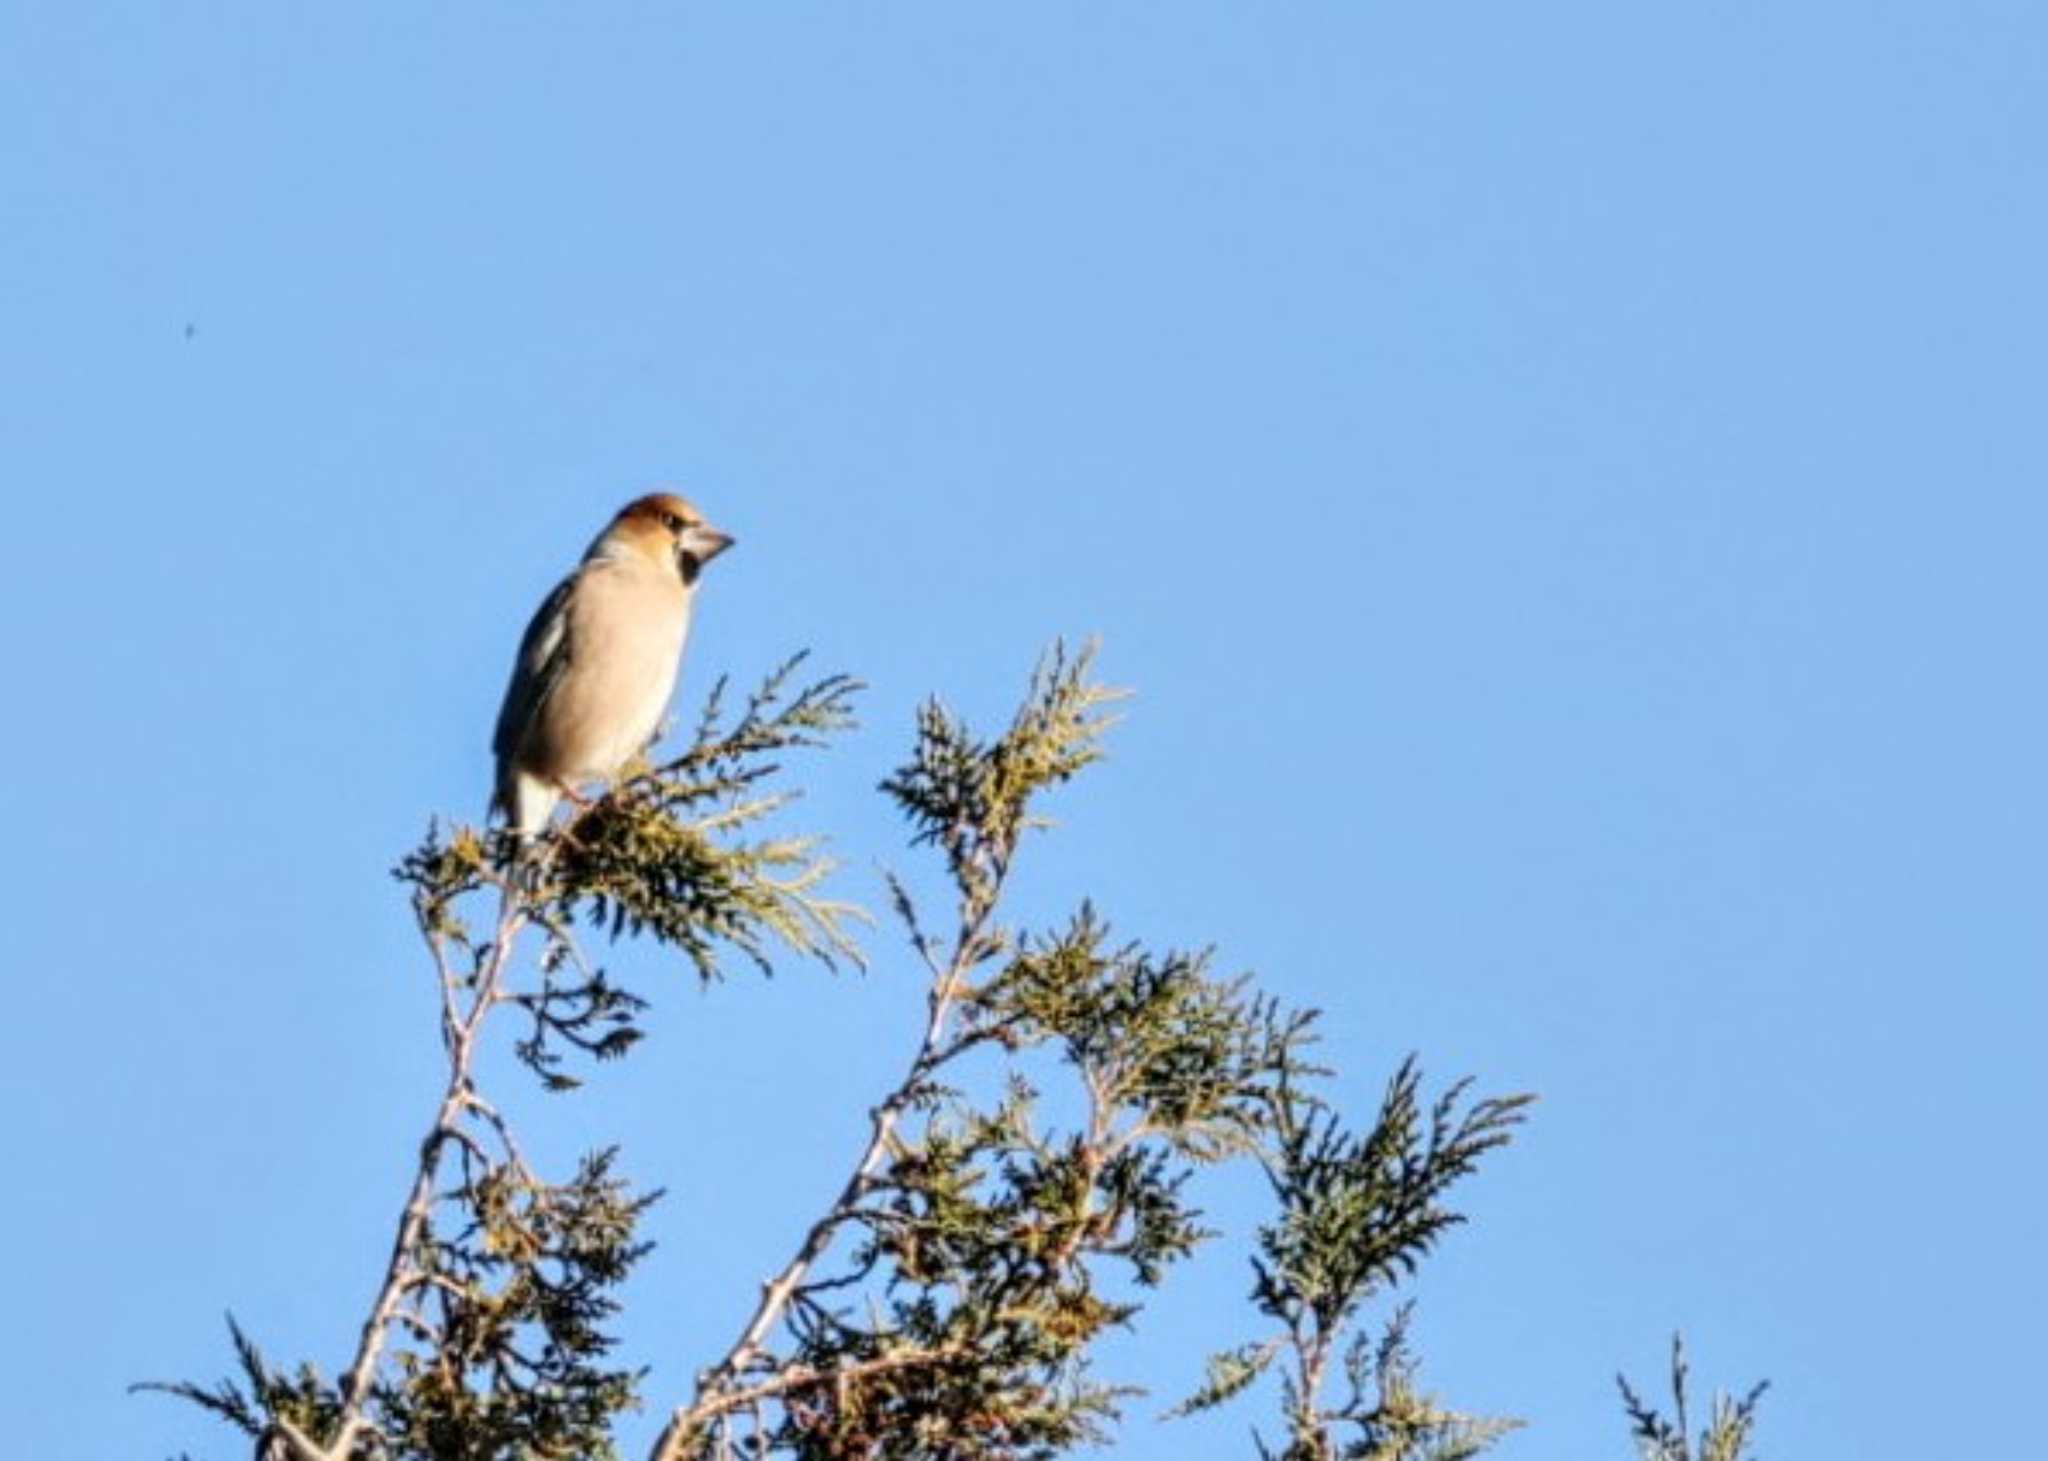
(627, 630)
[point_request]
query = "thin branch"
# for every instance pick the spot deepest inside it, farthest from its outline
(475, 1102)
(969, 946)
(302, 1445)
(460, 1030)
(809, 1377)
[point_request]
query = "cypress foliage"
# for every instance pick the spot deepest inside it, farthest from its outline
(947, 1303)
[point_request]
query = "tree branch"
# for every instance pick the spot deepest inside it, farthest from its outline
(459, 1030)
(714, 1397)
(807, 1377)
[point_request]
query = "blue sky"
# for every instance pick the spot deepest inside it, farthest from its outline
(1565, 482)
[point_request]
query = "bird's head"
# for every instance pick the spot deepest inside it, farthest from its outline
(668, 530)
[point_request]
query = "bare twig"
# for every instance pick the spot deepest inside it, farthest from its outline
(809, 1377)
(301, 1445)
(715, 1396)
(401, 1275)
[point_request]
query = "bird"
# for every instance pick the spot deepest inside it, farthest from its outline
(598, 663)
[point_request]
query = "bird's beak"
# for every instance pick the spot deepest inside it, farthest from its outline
(704, 543)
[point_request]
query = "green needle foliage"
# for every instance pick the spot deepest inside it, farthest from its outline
(974, 1284)
(303, 1398)
(1725, 1437)
(1358, 1212)
(508, 1358)
(1021, 1188)
(664, 856)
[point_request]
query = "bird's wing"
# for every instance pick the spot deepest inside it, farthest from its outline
(543, 655)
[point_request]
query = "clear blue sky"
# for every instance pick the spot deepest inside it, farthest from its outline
(1566, 481)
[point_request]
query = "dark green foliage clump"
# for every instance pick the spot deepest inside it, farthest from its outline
(1357, 1213)
(984, 1232)
(304, 1399)
(1725, 1436)
(507, 1353)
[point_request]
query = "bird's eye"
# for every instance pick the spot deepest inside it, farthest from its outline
(673, 523)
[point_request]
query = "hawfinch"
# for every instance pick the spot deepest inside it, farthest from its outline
(599, 660)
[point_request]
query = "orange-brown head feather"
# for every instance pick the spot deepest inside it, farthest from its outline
(660, 509)
(668, 528)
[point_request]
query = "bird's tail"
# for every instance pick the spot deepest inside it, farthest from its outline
(526, 802)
